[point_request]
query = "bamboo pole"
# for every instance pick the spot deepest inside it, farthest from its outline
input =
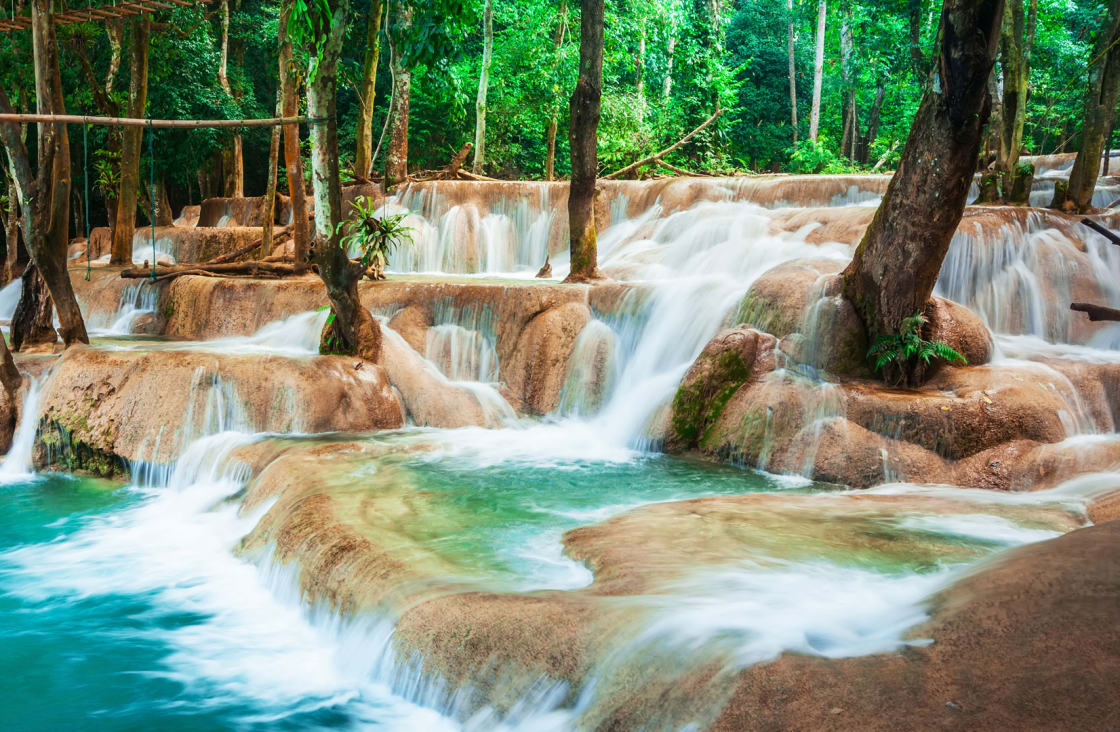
(189, 124)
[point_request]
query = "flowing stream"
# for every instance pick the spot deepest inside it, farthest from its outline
(140, 607)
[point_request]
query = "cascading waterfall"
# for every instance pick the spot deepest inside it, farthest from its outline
(17, 463)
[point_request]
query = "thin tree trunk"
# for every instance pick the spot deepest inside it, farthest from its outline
(363, 157)
(483, 84)
(849, 144)
(396, 160)
(864, 152)
(818, 74)
(1017, 38)
(233, 159)
(917, 57)
(792, 73)
(293, 164)
(1098, 116)
(898, 261)
(270, 189)
(667, 85)
(641, 70)
(352, 330)
(131, 140)
(553, 120)
(583, 141)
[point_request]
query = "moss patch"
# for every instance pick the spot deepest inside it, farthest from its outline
(699, 402)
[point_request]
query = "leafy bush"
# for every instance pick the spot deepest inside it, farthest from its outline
(906, 347)
(816, 157)
(372, 235)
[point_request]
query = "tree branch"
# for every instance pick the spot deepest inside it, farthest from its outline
(1096, 312)
(657, 156)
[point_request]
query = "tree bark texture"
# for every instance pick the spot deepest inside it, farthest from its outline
(32, 322)
(1098, 116)
(132, 139)
(293, 164)
(352, 330)
(818, 73)
(483, 86)
(396, 159)
(233, 159)
(363, 157)
(898, 261)
(1017, 39)
(583, 128)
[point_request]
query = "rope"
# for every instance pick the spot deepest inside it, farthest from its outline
(152, 191)
(85, 164)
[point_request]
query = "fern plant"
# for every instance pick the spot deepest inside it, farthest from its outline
(374, 236)
(906, 348)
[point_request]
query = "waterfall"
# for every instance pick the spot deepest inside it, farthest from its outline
(17, 463)
(9, 298)
(137, 298)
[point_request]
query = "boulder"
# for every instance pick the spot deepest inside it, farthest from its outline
(535, 373)
(960, 329)
(412, 322)
(728, 361)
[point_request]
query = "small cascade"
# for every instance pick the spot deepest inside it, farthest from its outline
(592, 370)
(9, 299)
(461, 354)
(17, 463)
(137, 298)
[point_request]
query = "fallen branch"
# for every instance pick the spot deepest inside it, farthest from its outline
(1097, 312)
(278, 235)
(474, 176)
(1102, 231)
(251, 269)
(887, 154)
(659, 155)
(457, 161)
(682, 171)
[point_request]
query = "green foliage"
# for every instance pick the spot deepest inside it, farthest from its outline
(904, 348)
(375, 235)
(817, 157)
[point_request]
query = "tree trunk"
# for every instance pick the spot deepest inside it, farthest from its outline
(917, 58)
(363, 157)
(792, 73)
(270, 188)
(131, 140)
(483, 84)
(818, 74)
(352, 330)
(33, 320)
(863, 155)
(1017, 38)
(898, 261)
(850, 142)
(583, 141)
(47, 219)
(667, 85)
(396, 160)
(293, 164)
(233, 159)
(553, 120)
(1098, 116)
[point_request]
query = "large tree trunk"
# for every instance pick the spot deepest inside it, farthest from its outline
(583, 140)
(293, 164)
(553, 120)
(352, 330)
(33, 321)
(363, 157)
(270, 186)
(897, 263)
(483, 86)
(1098, 116)
(233, 159)
(818, 74)
(131, 141)
(49, 235)
(1016, 40)
(792, 72)
(396, 159)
